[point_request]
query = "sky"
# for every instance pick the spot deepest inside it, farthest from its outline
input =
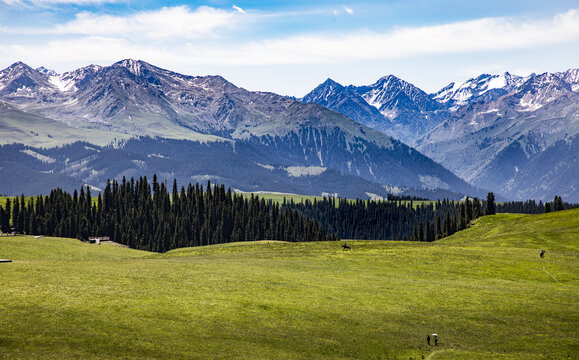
(289, 47)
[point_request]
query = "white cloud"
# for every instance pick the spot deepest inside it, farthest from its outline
(168, 22)
(178, 35)
(348, 10)
(238, 9)
(482, 35)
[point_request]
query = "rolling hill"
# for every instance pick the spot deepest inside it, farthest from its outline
(485, 291)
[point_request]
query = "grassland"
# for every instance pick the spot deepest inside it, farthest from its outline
(279, 198)
(485, 291)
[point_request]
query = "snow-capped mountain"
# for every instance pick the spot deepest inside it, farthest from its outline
(406, 111)
(46, 71)
(491, 130)
(347, 101)
(504, 142)
(250, 137)
(485, 86)
(21, 83)
(390, 94)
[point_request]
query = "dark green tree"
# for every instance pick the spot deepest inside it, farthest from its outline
(490, 204)
(558, 204)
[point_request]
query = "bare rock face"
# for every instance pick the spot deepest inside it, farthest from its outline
(119, 108)
(494, 131)
(390, 105)
(507, 142)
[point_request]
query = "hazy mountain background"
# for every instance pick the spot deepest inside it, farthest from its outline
(515, 135)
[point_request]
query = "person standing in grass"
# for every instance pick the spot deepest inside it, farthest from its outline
(428, 339)
(435, 340)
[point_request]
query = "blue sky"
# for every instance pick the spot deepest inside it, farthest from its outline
(289, 47)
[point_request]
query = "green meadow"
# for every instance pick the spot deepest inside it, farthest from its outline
(279, 198)
(485, 291)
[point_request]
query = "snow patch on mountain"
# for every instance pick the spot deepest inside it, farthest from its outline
(45, 159)
(268, 167)
(60, 84)
(461, 94)
(496, 82)
(299, 171)
(46, 71)
(432, 182)
(528, 104)
(394, 190)
(375, 197)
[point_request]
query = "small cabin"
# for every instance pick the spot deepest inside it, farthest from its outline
(97, 239)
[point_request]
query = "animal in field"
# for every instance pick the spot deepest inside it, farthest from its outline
(542, 253)
(346, 247)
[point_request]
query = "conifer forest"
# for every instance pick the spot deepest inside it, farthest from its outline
(148, 217)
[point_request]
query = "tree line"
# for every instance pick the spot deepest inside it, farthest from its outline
(404, 220)
(392, 220)
(150, 218)
(532, 207)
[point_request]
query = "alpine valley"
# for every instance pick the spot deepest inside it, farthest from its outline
(512, 135)
(517, 136)
(132, 119)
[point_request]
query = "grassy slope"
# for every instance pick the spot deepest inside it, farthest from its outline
(485, 291)
(278, 198)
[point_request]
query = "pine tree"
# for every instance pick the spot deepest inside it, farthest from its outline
(7, 216)
(490, 206)
(476, 208)
(469, 210)
(15, 214)
(462, 217)
(558, 204)
(3, 228)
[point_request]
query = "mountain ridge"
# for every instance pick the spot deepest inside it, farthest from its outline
(134, 100)
(478, 122)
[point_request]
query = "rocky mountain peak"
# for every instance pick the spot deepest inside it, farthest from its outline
(330, 82)
(323, 92)
(22, 81)
(487, 85)
(388, 81)
(391, 95)
(571, 77)
(16, 69)
(46, 71)
(134, 66)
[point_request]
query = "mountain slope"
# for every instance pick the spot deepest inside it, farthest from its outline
(347, 101)
(390, 105)
(135, 99)
(499, 143)
(488, 130)
(484, 87)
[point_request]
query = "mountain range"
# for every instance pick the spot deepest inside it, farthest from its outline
(515, 135)
(132, 118)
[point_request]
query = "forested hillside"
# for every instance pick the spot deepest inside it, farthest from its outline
(133, 214)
